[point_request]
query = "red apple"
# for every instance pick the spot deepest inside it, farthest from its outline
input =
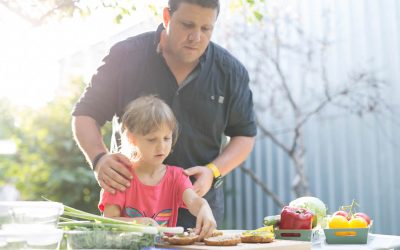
(364, 216)
(342, 213)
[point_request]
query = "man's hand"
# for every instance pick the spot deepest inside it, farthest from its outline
(112, 172)
(204, 179)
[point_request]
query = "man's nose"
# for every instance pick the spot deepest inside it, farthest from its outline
(195, 36)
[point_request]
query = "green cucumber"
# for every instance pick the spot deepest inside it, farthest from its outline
(272, 220)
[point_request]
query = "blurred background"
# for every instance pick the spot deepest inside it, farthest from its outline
(325, 80)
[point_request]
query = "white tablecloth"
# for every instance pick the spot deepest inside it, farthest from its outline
(375, 242)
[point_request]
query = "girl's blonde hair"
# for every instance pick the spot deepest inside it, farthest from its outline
(146, 114)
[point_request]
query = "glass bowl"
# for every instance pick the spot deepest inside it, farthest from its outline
(99, 239)
(30, 212)
(30, 237)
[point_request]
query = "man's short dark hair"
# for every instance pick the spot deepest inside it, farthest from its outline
(174, 4)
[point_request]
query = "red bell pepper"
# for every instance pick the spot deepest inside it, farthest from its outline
(295, 218)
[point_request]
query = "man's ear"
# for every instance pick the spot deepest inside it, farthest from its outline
(166, 17)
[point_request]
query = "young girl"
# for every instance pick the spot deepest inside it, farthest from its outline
(157, 191)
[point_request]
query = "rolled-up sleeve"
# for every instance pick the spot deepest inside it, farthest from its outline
(99, 99)
(241, 119)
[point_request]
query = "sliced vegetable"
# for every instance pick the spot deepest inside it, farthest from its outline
(267, 231)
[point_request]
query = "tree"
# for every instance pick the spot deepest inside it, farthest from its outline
(48, 162)
(292, 83)
(6, 130)
(39, 12)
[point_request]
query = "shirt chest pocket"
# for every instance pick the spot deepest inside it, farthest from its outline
(208, 112)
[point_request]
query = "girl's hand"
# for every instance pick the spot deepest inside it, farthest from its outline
(204, 179)
(205, 223)
(199, 207)
(112, 172)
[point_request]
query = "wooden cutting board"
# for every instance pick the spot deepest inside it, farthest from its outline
(275, 245)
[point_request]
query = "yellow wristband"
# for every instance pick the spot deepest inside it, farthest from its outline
(214, 169)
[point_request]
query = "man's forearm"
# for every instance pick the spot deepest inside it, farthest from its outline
(237, 150)
(88, 136)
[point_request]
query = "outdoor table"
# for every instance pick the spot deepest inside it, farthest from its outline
(375, 241)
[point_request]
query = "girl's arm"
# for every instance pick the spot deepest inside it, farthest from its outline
(114, 211)
(205, 221)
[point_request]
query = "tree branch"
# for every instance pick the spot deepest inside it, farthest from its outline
(16, 11)
(265, 189)
(71, 4)
(276, 63)
(270, 135)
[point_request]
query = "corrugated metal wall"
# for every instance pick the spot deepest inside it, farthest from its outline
(347, 157)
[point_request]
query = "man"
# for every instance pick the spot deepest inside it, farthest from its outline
(206, 87)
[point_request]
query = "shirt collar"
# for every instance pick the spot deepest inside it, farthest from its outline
(157, 35)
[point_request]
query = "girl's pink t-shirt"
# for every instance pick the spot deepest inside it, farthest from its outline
(160, 202)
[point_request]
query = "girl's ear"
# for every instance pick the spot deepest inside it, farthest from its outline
(131, 138)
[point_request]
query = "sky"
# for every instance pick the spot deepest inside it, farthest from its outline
(29, 61)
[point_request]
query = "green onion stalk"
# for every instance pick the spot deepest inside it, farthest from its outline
(76, 219)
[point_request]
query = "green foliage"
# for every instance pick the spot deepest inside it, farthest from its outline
(51, 10)
(48, 162)
(154, 9)
(38, 12)
(6, 119)
(6, 130)
(253, 9)
(258, 15)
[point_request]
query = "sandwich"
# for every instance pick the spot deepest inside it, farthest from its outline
(223, 240)
(186, 238)
(260, 235)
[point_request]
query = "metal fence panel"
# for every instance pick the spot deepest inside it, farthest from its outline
(347, 157)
